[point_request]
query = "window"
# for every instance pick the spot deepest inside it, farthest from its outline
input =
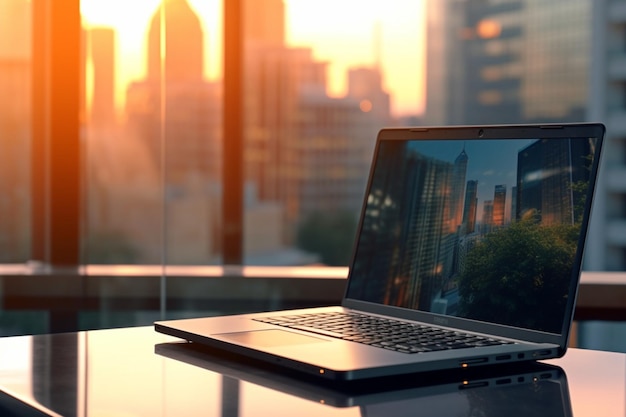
(160, 171)
(145, 159)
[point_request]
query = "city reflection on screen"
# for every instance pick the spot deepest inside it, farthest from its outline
(486, 230)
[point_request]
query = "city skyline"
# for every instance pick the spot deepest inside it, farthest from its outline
(370, 34)
(412, 236)
(501, 168)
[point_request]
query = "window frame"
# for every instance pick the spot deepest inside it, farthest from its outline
(58, 175)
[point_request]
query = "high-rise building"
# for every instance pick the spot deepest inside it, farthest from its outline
(333, 158)
(444, 63)
(184, 45)
(552, 197)
(499, 204)
(175, 112)
(407, 198)
(607, 234)
(365, 85)
(303, 148)
(457, 190)
(470, 207)
(264, 22)
(487, 221)
(174, 115)
(513, 212)
(507, 61)
(101, 49)
(276, 77)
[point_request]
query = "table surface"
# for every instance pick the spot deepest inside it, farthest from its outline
(138, 372)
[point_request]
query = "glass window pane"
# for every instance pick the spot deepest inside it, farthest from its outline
(15, 82)
(153, 126)
(315, 97)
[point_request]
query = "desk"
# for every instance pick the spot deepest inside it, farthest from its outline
(137, 372)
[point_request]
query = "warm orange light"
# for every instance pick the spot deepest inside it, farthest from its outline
(365, 106)
(339, 44)
(488, 29)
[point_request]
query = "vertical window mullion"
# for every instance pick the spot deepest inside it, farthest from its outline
(232, 142)
(56, 142)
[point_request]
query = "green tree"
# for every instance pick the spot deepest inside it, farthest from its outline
(110, 248)
(330, 235)
(520, 275)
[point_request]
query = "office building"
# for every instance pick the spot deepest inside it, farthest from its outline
(469, 207)
(507, 61)
(487, 220)
(499, 204)
(607, 234)
(183, 130)
(303, 149)
(444, 63)
(174, 116)
(413, 184)
(513, 212)
(546, 178)
(101, 49)
(457, 191)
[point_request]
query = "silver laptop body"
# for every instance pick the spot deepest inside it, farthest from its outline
(476, 231)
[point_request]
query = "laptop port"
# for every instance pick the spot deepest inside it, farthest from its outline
(473, 361)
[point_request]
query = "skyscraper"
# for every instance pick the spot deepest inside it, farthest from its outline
(457, 194)
(175, 112)
(487, 223)
(365, 85)
(606, 249)
(303, 149)
(102, 51)
(546, 174)
(499, 203)
(184, 46)
(507, 61)
(470, 206)
(407, 198)
(513, 212)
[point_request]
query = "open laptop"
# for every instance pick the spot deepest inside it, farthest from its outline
(468, 253)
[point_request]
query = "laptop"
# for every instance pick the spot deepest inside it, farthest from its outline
(468, 253)
(533, 388)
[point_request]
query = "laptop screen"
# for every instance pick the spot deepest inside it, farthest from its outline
(480, 229)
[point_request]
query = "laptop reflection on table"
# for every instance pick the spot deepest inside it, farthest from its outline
(519, 390)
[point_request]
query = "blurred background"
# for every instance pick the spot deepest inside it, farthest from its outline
(131, 190)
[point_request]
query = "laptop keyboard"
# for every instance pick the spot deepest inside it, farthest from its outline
(391, 334)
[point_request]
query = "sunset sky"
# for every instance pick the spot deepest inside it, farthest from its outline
(340, 32)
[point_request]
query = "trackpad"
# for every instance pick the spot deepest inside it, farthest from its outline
(269, 338)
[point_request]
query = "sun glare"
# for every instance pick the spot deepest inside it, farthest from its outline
(344, 34)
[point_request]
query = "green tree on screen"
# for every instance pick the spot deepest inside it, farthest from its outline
(520, 275)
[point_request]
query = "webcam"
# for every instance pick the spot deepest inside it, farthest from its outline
(481, 133)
